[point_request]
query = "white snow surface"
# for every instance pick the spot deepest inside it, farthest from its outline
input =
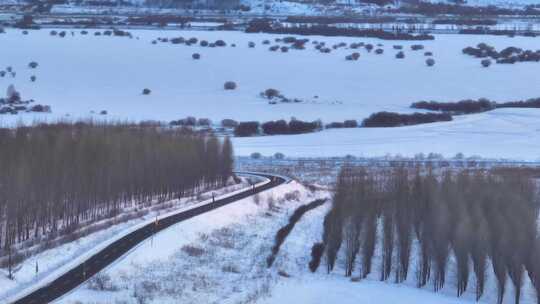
(238, 236)
(79, 74)
(503, 133)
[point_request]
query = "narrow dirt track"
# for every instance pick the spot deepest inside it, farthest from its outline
(82, 272)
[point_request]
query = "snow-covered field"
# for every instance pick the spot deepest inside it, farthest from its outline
(80, 74)
(503, 133)
(219, 257)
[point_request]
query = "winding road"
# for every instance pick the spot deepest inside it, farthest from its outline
(82, 272)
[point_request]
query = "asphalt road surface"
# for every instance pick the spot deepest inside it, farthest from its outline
(79, 274)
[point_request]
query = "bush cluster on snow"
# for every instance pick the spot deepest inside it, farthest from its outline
(345, 124)
(230, 85)
(229, 123)
(14, 104)
(247, 128)
(509, 55)
(294, 126)
(390, 119)
(469, 106)
(354, 56)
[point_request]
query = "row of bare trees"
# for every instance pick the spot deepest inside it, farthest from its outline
(54, 178)
(472, 217)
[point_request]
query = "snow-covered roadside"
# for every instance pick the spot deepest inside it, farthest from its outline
(216, 258)
(307, 288)
(319, 287)
(56, 261)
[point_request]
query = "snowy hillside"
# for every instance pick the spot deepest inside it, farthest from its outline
(504, 133)
(215, 258)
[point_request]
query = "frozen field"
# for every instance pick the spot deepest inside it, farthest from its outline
(503, 133)
(79, 74)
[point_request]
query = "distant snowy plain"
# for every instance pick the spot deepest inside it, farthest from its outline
(79, 76)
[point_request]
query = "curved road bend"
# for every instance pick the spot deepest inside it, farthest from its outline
(79, 274)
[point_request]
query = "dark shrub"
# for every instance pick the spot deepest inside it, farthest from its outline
(369, 47)
(298, 126)
(178, 40)
(84, 32)
(246, 128)
(25, 32)
(350, 124)
(212, 45)
(103, 112)
(33, 78)
(193, 40)
(40, 108)
(398, 47)
(146, 92)
(289, 39)
(229, 85)
(62, 34)
(203, 43)
(275, 127)
(229, 123)
(486, 63)
(335, 125)
(317, 252)
(220, 43)
(299, 44)
(417, 47)
(205, 122)
(379, 51)
(99, 34)
(284, 49)
(529, 103)
(196, 56)
(271, 93)
(189, 121)
(428, 54)
(460, 107)
(274, 48)
(33, 65)
(54, 33)
(430, 62)
(389, 119)
(355, 56)
(279, 155)
(251, 44)
(400, 55)
(266, 42)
